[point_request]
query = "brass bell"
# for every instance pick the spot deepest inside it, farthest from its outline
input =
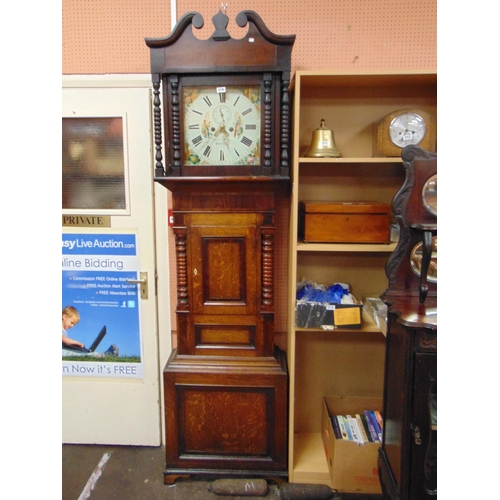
(322, 143)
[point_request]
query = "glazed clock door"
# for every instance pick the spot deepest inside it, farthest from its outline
(423, 476)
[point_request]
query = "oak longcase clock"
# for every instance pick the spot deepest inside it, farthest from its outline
(222, 118)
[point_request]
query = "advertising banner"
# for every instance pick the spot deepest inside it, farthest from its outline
(101, 334)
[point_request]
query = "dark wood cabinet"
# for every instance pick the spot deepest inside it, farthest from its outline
(407, 458)
(408, 455)
(226, 123)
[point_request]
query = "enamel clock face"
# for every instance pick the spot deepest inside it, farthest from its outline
(222, 125)
(429, 194)
(407, 128)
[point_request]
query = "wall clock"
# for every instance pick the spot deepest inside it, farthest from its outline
(412, 268)
(402, 128)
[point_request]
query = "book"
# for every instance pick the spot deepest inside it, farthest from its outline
(354, 430)
(371, 426)
(347, 428)
(379, 419)
(361, 428)
(378, 429)
(367, 429)
(335, 426)
(343, 431)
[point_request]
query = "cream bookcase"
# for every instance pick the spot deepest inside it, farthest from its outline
(340, 362)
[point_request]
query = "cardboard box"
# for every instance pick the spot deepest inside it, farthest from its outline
(353, 467)
(319, 314)
(345, 222)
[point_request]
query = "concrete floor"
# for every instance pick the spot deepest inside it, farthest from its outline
(136, 473)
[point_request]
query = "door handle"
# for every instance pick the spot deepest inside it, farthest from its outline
(143, 281)
(137, 282)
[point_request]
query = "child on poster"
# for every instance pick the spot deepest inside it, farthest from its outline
(70, 318)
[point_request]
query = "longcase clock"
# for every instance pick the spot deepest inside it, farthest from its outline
(222, 111)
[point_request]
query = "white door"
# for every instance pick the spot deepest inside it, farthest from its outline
(108, 242)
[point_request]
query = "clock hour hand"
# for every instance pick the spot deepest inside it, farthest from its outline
(407, 135)
(222, 129)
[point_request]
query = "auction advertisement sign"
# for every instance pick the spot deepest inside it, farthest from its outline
(96, 269)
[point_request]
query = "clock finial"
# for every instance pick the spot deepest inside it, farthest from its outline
(220, 21)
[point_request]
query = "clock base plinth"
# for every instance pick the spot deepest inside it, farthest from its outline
(170, 476)
(226, 416)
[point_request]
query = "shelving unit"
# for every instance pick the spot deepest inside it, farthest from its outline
(343, 361)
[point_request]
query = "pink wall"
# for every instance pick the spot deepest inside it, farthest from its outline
(107, 36)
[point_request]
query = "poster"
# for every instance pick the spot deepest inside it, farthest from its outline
(95, 270)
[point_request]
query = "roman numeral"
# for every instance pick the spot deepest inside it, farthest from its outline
(251, 127)
(207, 151)
(237, 99)
(246, 141)
(222, 97)
(196, 126)
(207, 100)
(197, 112)
(236, 151)
(197, 140)
(221, 155)
(246, 111)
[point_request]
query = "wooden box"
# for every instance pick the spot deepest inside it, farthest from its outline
(346, 222)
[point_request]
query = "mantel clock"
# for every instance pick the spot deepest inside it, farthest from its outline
(222, 110)
(407, 127)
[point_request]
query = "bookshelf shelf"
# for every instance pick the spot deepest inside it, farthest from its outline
(371, 159)
(345, 247)
(318, 360)
(310, 463)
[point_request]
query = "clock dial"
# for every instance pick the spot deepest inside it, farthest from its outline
(222, 125)
(429, 194)
(407, 128)
(416, 258)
